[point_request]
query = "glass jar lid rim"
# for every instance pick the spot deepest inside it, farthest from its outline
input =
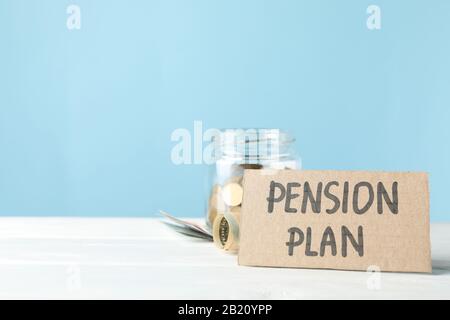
(240, 135)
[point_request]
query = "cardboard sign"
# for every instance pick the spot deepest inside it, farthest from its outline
(336, 220)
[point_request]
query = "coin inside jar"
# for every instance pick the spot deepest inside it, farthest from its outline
(239, 150)
(232, 194)
(225, 233)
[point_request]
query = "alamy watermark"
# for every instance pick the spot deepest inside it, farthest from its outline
(199, 146)
(73, 21)
(373, 21)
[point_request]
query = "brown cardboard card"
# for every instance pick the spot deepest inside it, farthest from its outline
(351, 220)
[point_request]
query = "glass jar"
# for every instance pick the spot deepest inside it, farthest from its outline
(235, 151)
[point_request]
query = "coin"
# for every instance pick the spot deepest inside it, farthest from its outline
(232, 194)
(220, 231)
(225, 234)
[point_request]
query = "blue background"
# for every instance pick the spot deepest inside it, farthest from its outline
(86, 115)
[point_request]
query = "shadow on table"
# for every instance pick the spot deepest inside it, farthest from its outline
(441, 267)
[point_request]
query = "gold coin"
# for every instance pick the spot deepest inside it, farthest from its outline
(220, 231)
(225, 234)
(232, 194)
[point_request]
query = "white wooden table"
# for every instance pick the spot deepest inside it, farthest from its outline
(131, 258)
